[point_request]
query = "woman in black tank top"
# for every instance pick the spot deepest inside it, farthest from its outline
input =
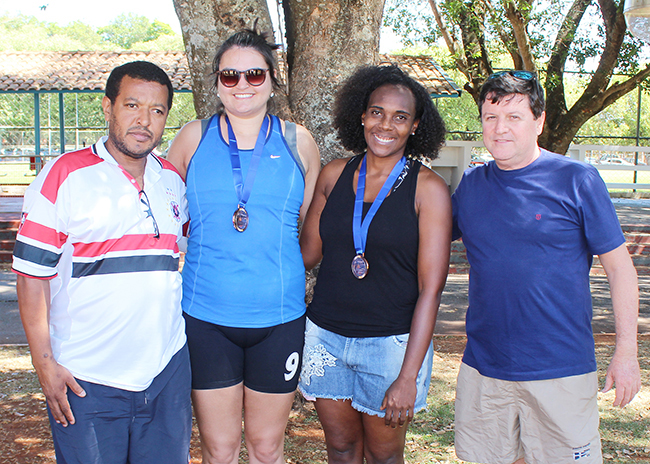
(381, 224)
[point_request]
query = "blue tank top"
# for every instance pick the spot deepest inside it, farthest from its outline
(254, 278)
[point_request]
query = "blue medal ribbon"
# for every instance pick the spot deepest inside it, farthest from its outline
(242, 188)
(359, 228)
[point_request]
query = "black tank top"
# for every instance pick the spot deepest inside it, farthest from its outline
(383, 302)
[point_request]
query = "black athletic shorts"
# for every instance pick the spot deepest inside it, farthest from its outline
(267, 360)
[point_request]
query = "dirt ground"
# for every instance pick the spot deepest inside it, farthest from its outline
(25, 434)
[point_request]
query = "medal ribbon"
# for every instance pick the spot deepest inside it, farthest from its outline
(359, 229)
(242, 188)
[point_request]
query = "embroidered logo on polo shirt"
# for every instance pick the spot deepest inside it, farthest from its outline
(176, 210)
(538, 216)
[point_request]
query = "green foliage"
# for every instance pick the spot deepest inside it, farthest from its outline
(84, 121)
(412, 21)
(460, 116)
(181, 113)
(26, 33)
(162, 43)
(16, 110)
(619, 120)
(129, 29)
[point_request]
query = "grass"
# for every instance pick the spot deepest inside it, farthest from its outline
(643, 177)
(17, 377)
(625, 433)
(16, 173)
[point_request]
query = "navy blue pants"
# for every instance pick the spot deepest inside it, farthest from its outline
(114, 426)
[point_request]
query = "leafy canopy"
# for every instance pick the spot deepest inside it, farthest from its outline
(127, 31)
(415, 24)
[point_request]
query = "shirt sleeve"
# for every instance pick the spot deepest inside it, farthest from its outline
(42, 233)
(602, 228)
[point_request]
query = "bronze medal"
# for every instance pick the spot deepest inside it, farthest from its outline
(240, 219)
(359, 266)
(243, 189)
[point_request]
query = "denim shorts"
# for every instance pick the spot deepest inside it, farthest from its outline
(358, 369)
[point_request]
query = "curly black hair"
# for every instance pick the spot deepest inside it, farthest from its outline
(352, 101)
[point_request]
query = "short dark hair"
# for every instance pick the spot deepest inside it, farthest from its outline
(505, 84)
(250, 38)
(352, 101)
(143, 70)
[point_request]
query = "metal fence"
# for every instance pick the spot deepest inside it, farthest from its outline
(615, 163)
(60, 122)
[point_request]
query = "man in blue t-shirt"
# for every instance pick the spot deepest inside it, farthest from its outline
(531, 222)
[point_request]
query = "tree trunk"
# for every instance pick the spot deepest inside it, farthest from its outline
(205, 24)
(327, 40)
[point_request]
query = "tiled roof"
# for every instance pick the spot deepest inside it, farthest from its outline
(29, 71)
(74, 71)
(428, 73)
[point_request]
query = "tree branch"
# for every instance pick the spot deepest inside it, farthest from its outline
(506, 36)
(555, 95)
(519, 24)
(565, 36)
(615, 28)
(587, 108)
(452, 43)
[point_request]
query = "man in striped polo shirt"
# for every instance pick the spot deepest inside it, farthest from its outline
(99, 289)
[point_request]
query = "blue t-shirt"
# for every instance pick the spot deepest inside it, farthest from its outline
(254, 278)
(530, 236)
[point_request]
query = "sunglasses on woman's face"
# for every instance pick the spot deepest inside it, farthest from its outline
(230, 77)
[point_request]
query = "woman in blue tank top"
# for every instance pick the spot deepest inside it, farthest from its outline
(250, 178)
(381, 223)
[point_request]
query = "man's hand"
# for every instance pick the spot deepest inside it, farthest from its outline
(623, 370)
(623, 373)
(55, 381)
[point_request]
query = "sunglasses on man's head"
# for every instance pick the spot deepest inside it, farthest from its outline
(230, 77)
(523, 75)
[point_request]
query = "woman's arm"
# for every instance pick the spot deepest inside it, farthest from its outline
(310, 241)
(309, 154)
(433, 206)
(184, 145)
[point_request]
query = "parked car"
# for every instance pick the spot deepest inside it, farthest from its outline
(619, 161)
(480, 160)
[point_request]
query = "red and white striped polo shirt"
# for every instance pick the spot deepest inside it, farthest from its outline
(110, 251)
